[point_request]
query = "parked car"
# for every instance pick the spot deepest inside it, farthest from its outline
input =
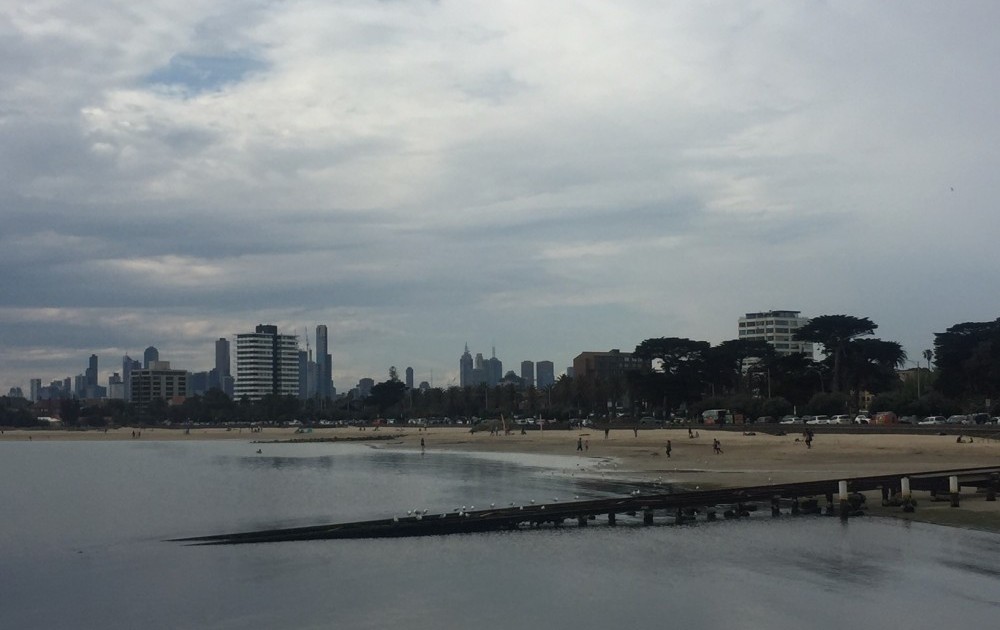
(765, 420)
(909, 420)
(933, 420)
(979, 418)
(807, 419)
(819, 420)
(863, 417)
(790, 420)
(885, 417)
(957, 419)
(840, 419)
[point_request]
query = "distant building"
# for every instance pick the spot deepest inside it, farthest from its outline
(149, 355)
(494, 370)
(116, 387)
(15, 392)
(409, 378)
(365, 386)
(776, 328)
(465, 368)
(157, 382)
(607, 366)
(545, 374)
(324, 363)
(528, 373)
(266, 363)
(128, 365)
(35, 389)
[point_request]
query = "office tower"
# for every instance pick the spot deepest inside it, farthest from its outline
(222, 365)
(151, 354)
(308, 371)
(777, 328)
(544, 374)
(35, 389)
(324, 364)
(128, 365)
(465, 368)
(91, 374)
(157, 382)
(116, 387)
(409, 378)
(494, 369)
(266, 363)
(365, 386)
(528, 373)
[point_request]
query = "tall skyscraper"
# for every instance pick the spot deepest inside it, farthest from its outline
(151, 354)
(36, 389)
(494, 369)
(128, 365)
(324, 364)
(409, 378)
(528, 373)
(221, 376)
(266, 363)
(545, 374)
(91, 373)
(465, 368)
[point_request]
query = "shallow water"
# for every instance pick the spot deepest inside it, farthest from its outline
(81, 546)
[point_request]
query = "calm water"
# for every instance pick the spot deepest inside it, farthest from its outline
(82, 525)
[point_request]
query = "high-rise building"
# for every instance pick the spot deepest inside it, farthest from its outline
(409, 378)
(528, 373)
(91, 374)
(324, 364)
(308, 371)
(545, 374)
(266, 363)
(128, 365)
(777, 328)
(35, 389)
(149, 355)
(116, 387)
(221, 376)
(157, 382)
(465, 368)
(494, 369)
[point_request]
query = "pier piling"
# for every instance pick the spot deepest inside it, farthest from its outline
(953, 489)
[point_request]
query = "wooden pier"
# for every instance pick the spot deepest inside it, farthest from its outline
(677, 507)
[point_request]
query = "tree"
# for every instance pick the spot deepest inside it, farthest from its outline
(728, 361)
(681, 366)
(967, 357)
(386, 394)
(835, 333)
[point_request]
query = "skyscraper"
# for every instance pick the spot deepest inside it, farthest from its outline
(409, 378)
(266, 363)
(151, 354)
(528, 373)
(222, 376)
(324, 364)
(494, 369)
(545, 374)
(465, 368)
(128, 365)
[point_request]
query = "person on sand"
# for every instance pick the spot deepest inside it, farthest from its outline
(809, 439)
(606, 431)
(586, 445)
(669, 448)
(579, 444)
(717, 446)
(635, 431)
(690, 433)
(421, 444)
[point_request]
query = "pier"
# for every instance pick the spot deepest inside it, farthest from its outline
(675, 508)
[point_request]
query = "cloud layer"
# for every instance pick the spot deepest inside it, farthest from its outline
(549, 177)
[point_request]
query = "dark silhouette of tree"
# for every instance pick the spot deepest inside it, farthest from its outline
(967, 357)
(835, 333)
(387, 394)
(679, 367)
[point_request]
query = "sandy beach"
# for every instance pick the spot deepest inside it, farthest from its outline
(745, 459)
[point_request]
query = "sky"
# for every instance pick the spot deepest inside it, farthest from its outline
(543, 177)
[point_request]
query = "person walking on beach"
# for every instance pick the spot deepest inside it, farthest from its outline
(669, 448)
(579, 444)
(606, 431)
(717, 446)
(421, 444)
(635, 431)
(809, 438)
(586, 445)
(690, 434)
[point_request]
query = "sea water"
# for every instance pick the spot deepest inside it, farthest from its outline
(84, 525)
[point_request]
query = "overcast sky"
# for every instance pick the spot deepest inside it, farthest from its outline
(549, 177)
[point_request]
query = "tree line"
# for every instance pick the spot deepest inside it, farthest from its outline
(685, 376)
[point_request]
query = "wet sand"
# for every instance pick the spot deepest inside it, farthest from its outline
(745, 459)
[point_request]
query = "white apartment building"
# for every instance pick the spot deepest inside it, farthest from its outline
(266, 363)
(778, 329)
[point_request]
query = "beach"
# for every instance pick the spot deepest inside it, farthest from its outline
(745, 460)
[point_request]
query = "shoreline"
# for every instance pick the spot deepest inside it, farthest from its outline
(640, 458)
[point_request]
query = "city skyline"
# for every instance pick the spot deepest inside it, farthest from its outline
(552, 177)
